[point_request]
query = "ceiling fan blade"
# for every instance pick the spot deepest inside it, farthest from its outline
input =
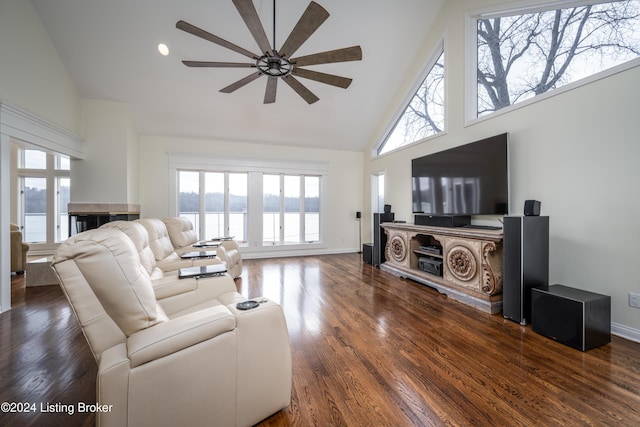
(300, 89)
(250, 17)
(353, 53)
(309, 22)
(237, 85)
(270, 93)
(329, 79)
(217, 64)
(192, 29)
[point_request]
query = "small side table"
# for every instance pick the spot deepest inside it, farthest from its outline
(40, 273)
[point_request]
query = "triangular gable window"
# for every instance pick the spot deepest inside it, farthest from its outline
(424, 115)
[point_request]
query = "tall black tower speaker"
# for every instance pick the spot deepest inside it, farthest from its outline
(525, 264)
(379, 236)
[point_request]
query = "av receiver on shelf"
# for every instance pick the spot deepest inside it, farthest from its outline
(430, 265)
(432, 249)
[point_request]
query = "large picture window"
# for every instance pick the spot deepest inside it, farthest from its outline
(259, 208)
(526, 54)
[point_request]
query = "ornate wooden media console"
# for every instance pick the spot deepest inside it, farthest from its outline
(463, 263)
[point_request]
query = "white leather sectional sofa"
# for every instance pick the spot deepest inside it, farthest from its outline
(172, 351)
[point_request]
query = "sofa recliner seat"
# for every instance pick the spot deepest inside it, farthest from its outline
(183, 237)
(201, 365)
(160, 243)
(140, 236)
(183, 292)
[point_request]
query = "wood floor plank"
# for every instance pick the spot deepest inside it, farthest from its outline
(369, 349)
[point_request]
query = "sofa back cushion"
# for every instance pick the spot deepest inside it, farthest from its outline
(140, 238)
(180, 231)
(159, 240)
(109, 263)
(98, 328)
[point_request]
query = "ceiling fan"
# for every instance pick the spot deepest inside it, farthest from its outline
(278, 63)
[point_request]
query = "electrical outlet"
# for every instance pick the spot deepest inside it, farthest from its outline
(634, 299)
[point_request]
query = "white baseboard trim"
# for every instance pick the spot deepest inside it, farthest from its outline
(294, 253)
(625, 332)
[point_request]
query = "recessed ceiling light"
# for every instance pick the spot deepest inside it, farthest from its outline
(163, 49)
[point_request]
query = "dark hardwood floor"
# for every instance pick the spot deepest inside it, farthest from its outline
(368, 349)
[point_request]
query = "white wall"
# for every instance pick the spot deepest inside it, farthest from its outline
(344, 178)
(107, 173)
(577, 152)
(32, 75)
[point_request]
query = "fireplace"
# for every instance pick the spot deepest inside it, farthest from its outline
(87, 216)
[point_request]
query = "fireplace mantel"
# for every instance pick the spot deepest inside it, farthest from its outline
(103, 208)
(86, 216)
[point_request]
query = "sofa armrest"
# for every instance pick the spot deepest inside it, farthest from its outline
(221, 254)
(177, 334)
(174, 263)
(113, 386)
(230, 245)
(264, 383)
(170, 286)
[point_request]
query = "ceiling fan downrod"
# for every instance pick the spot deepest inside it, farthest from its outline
(274, 65)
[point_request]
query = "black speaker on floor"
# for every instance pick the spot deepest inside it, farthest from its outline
(577, 318)
(379, 236)
(367, 253)
(525, 264)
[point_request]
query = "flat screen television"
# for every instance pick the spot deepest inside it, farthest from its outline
(471, 179)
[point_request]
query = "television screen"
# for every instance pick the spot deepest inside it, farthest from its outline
(471, 179)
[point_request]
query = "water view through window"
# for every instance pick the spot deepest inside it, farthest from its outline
(290, 206)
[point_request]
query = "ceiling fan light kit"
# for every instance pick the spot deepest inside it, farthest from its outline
(278, 64)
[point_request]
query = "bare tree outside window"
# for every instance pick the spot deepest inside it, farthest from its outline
(522, 56)
(424, 116)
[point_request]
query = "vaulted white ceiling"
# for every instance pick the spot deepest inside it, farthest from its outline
(110, 50)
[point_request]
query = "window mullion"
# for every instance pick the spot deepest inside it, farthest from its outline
(282, 215)
(21, 203)
(50, 199)
(226, 204)
(201, 206)
(302, 212)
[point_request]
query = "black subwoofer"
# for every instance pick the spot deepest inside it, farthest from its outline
(577, 318)
(367, 253)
